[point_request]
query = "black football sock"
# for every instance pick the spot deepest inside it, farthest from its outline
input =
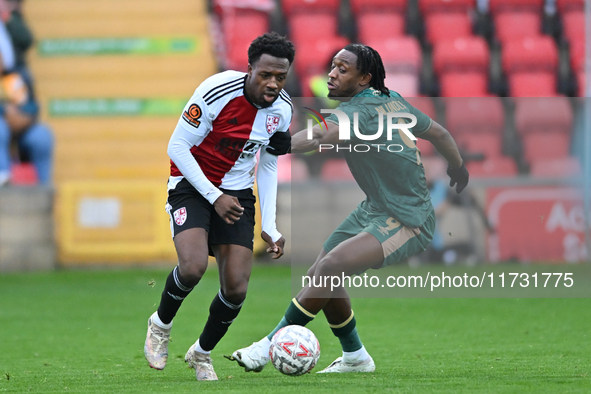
(221, 314)
(172, 297)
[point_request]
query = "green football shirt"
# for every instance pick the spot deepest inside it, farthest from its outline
(389, 172)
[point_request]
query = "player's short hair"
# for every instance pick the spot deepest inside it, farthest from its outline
(272, 44)
(369, 61)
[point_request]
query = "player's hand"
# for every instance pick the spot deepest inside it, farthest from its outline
(229, 208)
(279, 143)
(458, 177)
(274, 247)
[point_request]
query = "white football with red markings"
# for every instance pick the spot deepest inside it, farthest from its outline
(294, 350)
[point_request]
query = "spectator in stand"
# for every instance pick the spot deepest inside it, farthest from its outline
(19, 111)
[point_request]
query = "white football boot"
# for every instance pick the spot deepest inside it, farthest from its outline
(156, 346)
(253, 358)
(341, 366)
(201, 363)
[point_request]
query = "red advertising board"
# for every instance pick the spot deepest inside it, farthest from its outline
(544, 224)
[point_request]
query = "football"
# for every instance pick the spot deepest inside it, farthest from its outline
(294, 350)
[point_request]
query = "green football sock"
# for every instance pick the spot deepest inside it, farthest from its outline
(347, 334)
(295, 314)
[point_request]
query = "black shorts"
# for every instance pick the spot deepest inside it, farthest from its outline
(189, 209)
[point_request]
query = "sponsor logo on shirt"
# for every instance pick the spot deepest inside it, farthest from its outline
(192, 115)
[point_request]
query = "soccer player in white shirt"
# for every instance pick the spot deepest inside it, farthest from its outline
(231, 116)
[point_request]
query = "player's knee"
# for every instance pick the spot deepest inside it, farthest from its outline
(327, 266)
(235, 293)
(191, 272)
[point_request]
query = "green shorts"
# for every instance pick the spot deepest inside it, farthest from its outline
(398, 241)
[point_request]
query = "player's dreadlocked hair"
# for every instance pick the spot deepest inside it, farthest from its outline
(272, 44)
(369, 61)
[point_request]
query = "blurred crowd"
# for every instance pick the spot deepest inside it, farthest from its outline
(23, 139)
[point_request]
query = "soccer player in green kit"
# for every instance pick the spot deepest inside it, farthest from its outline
(394, 222)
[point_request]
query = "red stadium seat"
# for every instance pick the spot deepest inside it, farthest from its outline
(239, 29)
(222, 7)
(464, 84)
(477, 115)
(570, 5)
(429, 6)
(563, 167)
(442, 26)
(488, 144)
(405, 83)
(494, 167)
(402, 54)
(316, 40)
(530, 54)
(313, 57)
(573, 26)
(461, 54)
(423, 104)
(577, 55)
(336, 170)
(23, 174)
(379, 26)
(496, 6)
(310, 27)
(545, 145)
(291, 7)
(543, 114)
(516, 25)
(361, 6)
(532, 84)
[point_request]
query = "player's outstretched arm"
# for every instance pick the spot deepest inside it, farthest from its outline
(446, 145)
(302, 142)
(279, 143)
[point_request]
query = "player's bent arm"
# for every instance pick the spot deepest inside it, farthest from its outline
(267, 189)
(179, 151)
(300, 142)
(444, 143)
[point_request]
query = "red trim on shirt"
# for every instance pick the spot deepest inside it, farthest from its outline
(222, 147)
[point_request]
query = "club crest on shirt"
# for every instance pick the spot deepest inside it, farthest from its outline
(180, 216)
(272, 123)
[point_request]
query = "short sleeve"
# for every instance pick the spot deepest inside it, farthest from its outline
(355, 108)
(423, 121)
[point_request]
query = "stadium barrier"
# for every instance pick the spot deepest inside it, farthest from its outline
(26, 229)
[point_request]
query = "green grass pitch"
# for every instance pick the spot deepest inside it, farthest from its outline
(83, 331)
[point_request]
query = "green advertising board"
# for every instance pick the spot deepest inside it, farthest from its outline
(116, 107)
(116, 46)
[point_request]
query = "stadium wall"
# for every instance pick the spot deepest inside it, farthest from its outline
(26, 229)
